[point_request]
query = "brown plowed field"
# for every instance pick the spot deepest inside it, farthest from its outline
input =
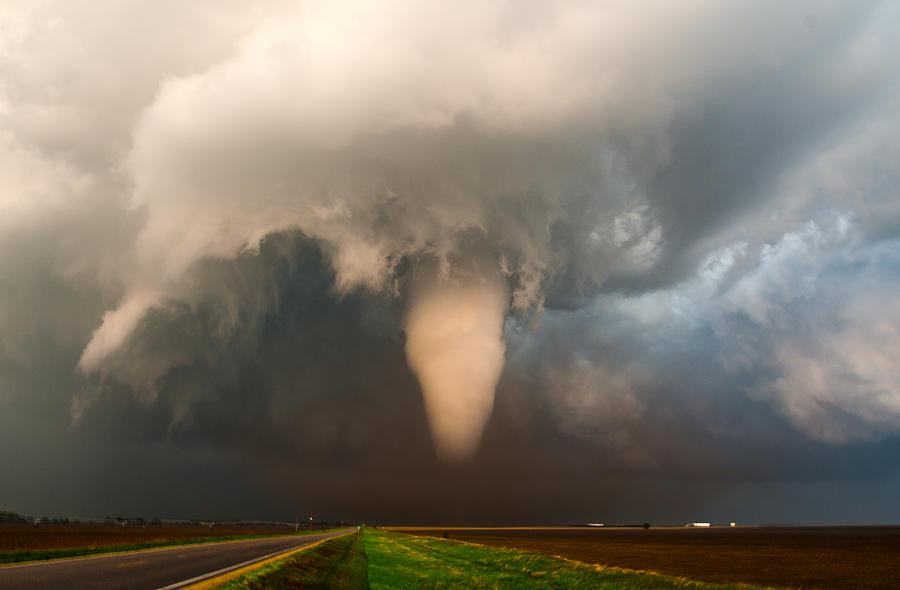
(798, 557)
(47, 537)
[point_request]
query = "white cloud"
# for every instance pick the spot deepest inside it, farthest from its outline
(845, 385)
(117, 327)
(788, 271)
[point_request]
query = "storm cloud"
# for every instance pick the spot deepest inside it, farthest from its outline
(494, 262)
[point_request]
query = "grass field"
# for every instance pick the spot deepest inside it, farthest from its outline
(25, 543)
(829, 558)
(338, 563)
(382, 560)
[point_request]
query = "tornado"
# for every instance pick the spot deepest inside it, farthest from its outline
(455, 347)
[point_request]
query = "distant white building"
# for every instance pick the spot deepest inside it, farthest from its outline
(595, 524)
(700, 524)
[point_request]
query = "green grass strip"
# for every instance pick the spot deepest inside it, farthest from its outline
(338, 564)
(398, 561)
(39, 555)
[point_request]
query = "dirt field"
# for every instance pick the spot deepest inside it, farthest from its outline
(22, 537)
(797, 557)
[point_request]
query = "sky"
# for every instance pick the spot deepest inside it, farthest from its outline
(467, 263)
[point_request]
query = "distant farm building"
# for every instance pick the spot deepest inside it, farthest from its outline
(704, 525)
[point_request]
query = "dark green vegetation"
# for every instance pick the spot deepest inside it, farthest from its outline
(338, 563)
(20, 543)
(380, 560)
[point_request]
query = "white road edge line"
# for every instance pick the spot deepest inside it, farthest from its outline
(225, 570)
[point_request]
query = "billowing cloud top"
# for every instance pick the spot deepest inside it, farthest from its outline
(646, 225)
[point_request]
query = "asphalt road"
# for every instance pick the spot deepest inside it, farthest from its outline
(146, 570)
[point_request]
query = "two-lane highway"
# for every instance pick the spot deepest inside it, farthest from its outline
(146, 570)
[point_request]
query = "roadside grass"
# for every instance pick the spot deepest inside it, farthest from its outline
(8, 557)
(338, 563)
(398, 561)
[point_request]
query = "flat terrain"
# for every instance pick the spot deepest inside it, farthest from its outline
(378, 560)
(338, 564)
(146, 569)
(799, 557)
(25, 543)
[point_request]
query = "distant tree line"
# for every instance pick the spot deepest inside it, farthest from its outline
(9, 517)
(6, 516)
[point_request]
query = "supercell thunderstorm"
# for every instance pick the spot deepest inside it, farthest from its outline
(587, 225)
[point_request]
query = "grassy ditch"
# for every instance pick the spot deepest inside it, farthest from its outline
(338, 563)
(379, 560)
(7, 557)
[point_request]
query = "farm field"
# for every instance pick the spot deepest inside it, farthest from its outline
(379, 560)
(808, 557)
(21, 542)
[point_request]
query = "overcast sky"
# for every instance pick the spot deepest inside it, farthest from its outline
(484, 262)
